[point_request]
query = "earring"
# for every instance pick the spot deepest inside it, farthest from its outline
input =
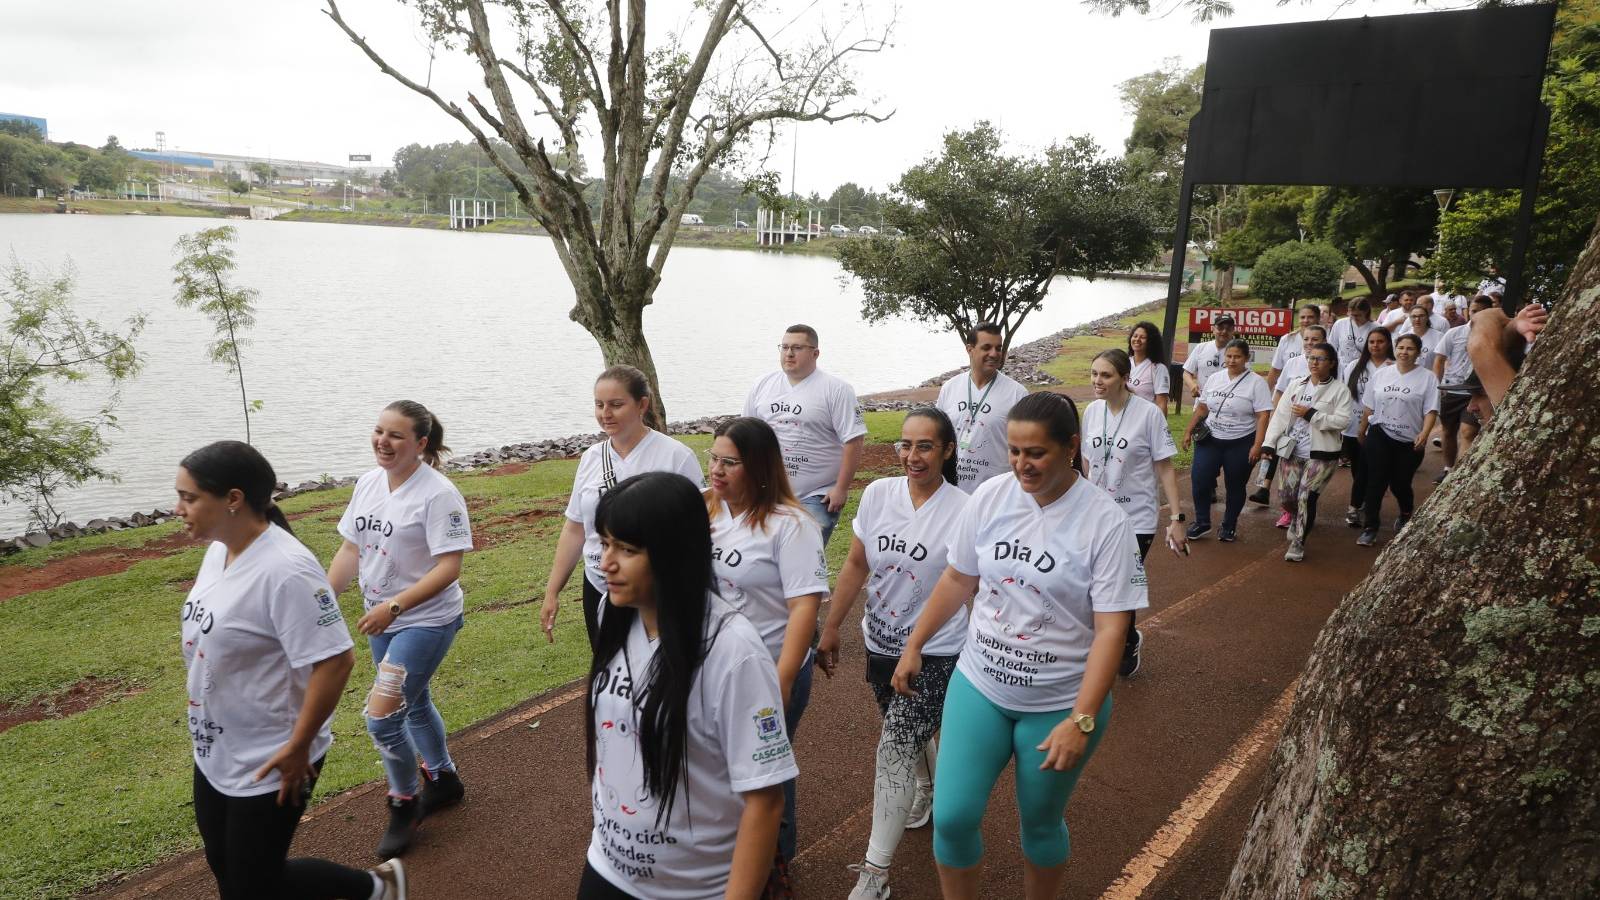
(233, 510)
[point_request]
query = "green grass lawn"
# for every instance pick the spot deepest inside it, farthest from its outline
(107, 791)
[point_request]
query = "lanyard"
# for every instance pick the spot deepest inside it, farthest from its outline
(972, 411)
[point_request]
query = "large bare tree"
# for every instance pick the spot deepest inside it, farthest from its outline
(662, 117)
(1445, 741)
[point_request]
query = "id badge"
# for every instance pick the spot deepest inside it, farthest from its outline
(966, 442)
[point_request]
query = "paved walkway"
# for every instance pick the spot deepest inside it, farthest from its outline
(1160, 812)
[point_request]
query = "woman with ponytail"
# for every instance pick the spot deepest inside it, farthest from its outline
(268, 655)
(1052, 570)
(686, 744)
(634, 444)
(899, 549)
(405, 532)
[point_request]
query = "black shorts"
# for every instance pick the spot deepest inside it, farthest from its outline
(1453, 411)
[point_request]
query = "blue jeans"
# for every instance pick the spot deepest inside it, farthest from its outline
(1232, 458)
(406, 661)
(799, 698)
(817, 506)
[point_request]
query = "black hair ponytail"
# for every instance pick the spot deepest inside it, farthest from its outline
(1057, 413)
(227, 465)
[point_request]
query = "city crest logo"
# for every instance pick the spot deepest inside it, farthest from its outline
(768, 726)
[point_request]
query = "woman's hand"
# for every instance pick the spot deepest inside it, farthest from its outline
(1186, 441)
(375, 621)
(1299, 410)
(1255, 454)
(547, 616)
(1420, 442)
(293, 763)
(828, 650)
(1064, 748)
(1177, 539)
(906, 673)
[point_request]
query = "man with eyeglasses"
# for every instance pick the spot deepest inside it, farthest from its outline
(1205, 359)
(818, 424)
(977, 404)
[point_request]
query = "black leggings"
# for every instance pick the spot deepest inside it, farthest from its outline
(594, 886)
(1351, 449)
(247, 845)
(1391, 464)
(591, 611)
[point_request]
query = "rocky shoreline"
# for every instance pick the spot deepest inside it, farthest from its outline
(1023, 363)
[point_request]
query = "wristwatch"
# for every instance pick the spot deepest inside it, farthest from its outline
(395, 609)
(1178, 517)
(1084, 721)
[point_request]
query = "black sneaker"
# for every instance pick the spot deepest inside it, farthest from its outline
(1199, 530)
(1227, 535)
(1130, 655)
(1262, 496)
(438, 792)
(1353, 518)
(1369, 536)
(403, 821)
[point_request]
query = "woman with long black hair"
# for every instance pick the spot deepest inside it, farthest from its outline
(1233, 407)
(685, 737)
(1305, 434)
(1052, 570)
(766, 554)
(1399, 407)
(634, 444)
(1376, 352)
(268, 655)
(901, 538)
(1148, 376)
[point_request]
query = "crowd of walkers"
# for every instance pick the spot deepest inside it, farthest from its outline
(1000, 576)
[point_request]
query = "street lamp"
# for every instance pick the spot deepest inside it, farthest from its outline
(1444, 196)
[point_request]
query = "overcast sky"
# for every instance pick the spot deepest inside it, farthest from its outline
(278, 78)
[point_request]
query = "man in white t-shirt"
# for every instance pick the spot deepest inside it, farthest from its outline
(818, 424)
(1205, 359)
(1399, 315)
(977, 404)
(1451, 365)
(1291, 344)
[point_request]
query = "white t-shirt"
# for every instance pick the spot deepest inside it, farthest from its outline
(1042, 575)
(1204, 361)
(1147, 379)
(1354, 428)
(1400, 402)
(655, 452)
(1294, 368)
(1453, 347)
(251, 633)
(1232, 403)
(1396, 318)
(1303, 392)
(981, 439)
(735, 744)
(813, 420)
(1349, 339)
(1290, 346)
(759, 570)
(1430, 345)
(1121, 452)
(400, 534)
(907, 550)
(1436, 323)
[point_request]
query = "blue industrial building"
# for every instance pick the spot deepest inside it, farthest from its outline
(35, 121)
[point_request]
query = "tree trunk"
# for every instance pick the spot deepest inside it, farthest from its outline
(1225, 285)
(1375, 280)
(1445, 741)
(622, 342)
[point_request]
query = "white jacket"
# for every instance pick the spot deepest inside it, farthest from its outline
(1331, 409)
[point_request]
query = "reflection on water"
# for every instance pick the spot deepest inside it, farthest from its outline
(473, 325)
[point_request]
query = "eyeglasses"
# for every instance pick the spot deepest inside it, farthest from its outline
(1318, 359)
(903, 447)
(727, 462)
(793, 348)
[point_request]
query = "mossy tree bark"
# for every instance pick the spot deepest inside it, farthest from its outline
(1445, 741)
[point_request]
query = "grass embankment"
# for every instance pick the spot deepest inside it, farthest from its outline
(112, 207)
(106, 791)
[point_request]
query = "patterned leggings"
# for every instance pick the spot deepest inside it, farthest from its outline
(906, 753)
(1299, 483)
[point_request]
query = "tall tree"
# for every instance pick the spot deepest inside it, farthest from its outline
(680, 107)
(1162, 102)
(986, 232)
(42, 449)
(1385, 225)
(1445, 740)
(204, 274)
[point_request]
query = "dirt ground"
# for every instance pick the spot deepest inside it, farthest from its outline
(1160, 812)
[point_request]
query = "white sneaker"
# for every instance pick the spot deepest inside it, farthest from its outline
(393, 876)
(921, 811)
(873, 883)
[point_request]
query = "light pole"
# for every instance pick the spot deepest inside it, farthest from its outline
(1444, 196)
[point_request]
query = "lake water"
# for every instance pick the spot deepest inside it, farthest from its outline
(473, 325)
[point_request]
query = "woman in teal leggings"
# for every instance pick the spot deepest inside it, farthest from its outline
(1054, 571)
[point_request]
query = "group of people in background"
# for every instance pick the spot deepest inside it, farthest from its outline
(1001, 573)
